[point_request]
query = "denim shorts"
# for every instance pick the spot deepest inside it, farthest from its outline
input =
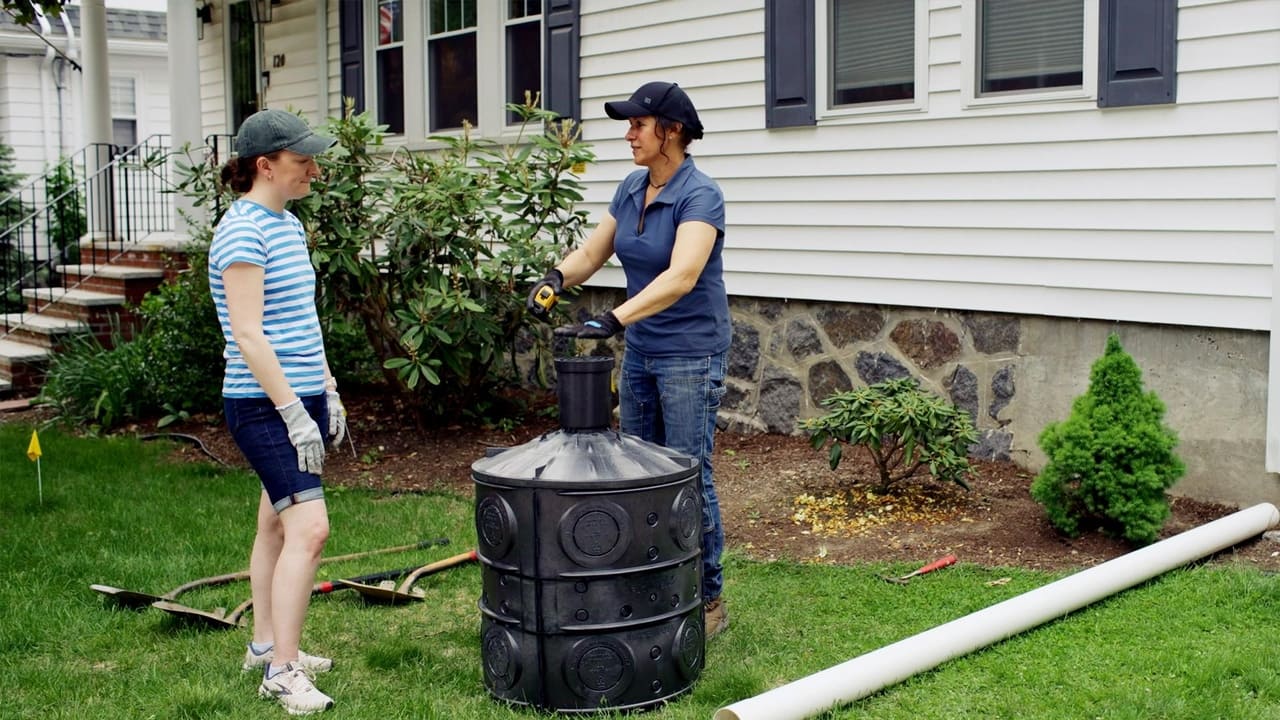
(263, 438)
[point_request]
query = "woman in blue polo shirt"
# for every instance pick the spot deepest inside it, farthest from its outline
(666, 225)
(278, 392)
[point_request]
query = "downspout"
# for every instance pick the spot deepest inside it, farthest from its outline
(869, 673)
(72, 51)
(46, 71)
(1273, 362)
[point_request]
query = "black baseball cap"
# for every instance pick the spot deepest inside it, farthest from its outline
(658, 98)
(267, 131)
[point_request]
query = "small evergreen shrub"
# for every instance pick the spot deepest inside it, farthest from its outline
(11, 206)
(65, 214)
(1111, 461)
(903, 428)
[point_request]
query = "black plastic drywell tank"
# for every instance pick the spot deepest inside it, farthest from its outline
(590, 544)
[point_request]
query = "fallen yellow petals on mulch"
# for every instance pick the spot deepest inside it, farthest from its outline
(858, 509)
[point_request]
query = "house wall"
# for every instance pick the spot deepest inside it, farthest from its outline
(1160, 214)
(43, 125)
(1060, 218)
(20, 112)
(293, 54)
(214, 113)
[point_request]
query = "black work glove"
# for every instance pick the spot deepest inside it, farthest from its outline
(545, 294)
(600, 326)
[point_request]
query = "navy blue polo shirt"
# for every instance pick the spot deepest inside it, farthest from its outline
(698, 323)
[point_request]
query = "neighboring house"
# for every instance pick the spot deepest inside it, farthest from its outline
(40, 89)
(971, 191)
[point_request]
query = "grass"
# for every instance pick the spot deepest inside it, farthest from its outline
(1195, 643)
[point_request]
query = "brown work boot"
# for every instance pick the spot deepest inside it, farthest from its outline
(716, 617)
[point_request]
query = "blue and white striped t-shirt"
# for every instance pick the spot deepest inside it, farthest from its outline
(250, 233)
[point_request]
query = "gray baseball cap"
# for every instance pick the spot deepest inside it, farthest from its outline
(267, 131)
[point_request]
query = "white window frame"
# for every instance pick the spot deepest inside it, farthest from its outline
(491, 26)
(822, 69)
(137, 98)
(969, 85)
(505, 22)
(371, 49)
(491, 77)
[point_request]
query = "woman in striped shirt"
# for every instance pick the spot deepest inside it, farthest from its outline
(279, 395)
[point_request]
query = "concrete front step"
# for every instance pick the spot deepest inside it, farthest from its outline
(40, 330)
(114, 272)
(131, 281)
(83, 305)
(22, 366)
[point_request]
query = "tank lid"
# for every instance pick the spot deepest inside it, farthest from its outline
(585, 461)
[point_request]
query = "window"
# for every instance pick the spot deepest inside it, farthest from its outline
(390, 52)
(523, 51)
(426, 67)
(451, 64)
(873, 56)
(1119, 52)
(1030, 45)
(124, 112)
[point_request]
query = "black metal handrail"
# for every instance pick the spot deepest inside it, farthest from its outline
(52, 221)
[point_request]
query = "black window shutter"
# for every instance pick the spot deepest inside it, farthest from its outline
(351, 50)
(560, 43)
(1137, 52)
(788, 63)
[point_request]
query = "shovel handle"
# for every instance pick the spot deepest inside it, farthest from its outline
(328, 586)
(323, 588)
(244, 574)
(435, 567)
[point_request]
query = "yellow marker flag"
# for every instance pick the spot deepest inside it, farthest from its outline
(33, 449)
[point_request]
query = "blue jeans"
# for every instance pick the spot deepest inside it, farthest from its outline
(263, 438)
(672, 401)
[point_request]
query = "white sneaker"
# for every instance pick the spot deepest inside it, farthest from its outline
(292, 688)
(312, 664)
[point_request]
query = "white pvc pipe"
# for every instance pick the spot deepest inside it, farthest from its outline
(866, 674)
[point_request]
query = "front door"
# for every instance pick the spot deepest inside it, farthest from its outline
(242, 63)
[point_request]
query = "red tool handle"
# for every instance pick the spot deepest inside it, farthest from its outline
(937, 564)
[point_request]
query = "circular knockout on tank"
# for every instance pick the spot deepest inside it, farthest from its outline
(687, 646)
(595, 532)
(501, 658)
(495, 524)
(599, 668)
(686, 519)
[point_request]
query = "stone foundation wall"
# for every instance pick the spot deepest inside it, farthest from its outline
(1013, 375)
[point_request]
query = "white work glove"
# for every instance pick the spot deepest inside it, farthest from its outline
(304, 433)
(337, 419)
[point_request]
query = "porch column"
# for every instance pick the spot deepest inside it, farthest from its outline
(184, 106)
(97, 118)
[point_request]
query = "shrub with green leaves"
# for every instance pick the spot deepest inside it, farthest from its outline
(96, 387)
(432, 253)
(182, 340)
(902, 427)
(1111, 461)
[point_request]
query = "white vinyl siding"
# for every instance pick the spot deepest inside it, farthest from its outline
(1161, 214)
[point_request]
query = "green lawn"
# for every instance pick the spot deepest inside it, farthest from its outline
(1195, 643)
